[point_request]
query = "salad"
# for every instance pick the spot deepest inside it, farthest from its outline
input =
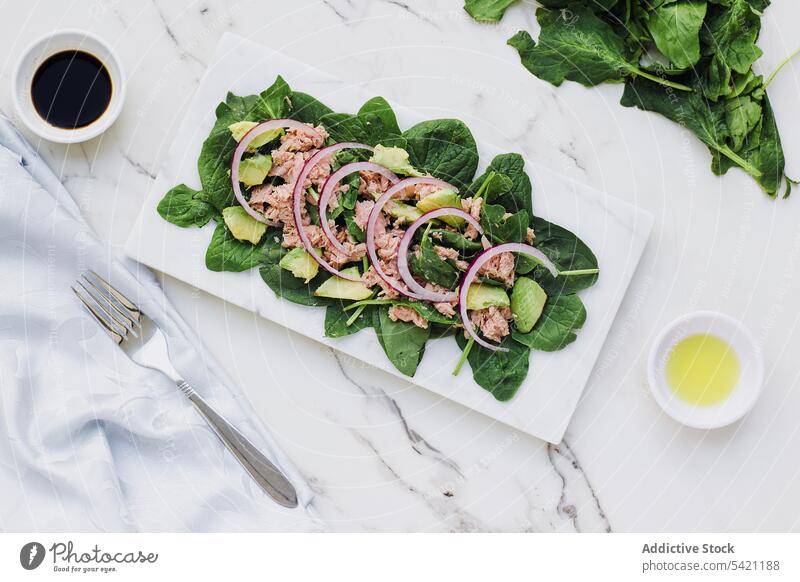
(389, 230)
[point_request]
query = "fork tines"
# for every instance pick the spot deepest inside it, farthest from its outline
(115, 313)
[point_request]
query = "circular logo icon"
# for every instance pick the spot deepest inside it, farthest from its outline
(31, 555)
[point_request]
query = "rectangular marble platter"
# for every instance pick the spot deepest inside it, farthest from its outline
(616, 231)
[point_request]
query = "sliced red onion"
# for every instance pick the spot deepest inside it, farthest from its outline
(373, 220)
(246, 140)
(330, 185)
(298, 197)
(402, 252)
(472, 273)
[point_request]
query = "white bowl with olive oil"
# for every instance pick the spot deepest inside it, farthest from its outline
(705, 370)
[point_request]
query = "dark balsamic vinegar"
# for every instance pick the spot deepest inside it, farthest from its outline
(71, 89)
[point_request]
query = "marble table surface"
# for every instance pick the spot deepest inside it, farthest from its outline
(382, 454)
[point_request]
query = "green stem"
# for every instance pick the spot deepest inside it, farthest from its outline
(578, 272)
(661, 81)
(778, 69)
(365, 302)
(463, 357)
(740, 161)
(360, 307)
(355, 315)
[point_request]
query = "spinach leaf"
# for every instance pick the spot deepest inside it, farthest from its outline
(215, 156)
(487, 10)
(730, 34)
(431, 267)
(225, 253)
(763, 150)
(336, 319)
(562, 316)
(675, 27)
(403, 342)
(742, 115)
(457, 241)
(569, 253)
(379, 107)
(306, 108)
(282, 282)
(518, 196)
(501, 230)
(445, 148)
(578, 45)
(501, 373)
(184, 207)
(706, 120)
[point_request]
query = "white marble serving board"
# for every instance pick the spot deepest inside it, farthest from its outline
(616, 231)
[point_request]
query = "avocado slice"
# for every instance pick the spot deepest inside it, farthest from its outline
(254, 169)
(240, 128)
(405, 213)
(338, 288)
(242, 225)
(300, 264)
(482, 296)
(527, 303)
(394, 159)
(441, 199)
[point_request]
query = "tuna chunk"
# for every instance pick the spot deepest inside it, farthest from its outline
(363, 209)
(286, 165)
(500, 268)
(492, 322)
(403, 313)
(446, 308)
(473, 206)
(452, 254)
(372, 184)
(301, 141)
(319, 173)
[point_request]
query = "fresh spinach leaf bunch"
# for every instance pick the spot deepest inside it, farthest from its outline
(444, 148)
(689, 60)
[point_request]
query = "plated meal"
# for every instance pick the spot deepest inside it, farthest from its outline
(388, 229)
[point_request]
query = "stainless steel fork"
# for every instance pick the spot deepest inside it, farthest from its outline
(145, 344)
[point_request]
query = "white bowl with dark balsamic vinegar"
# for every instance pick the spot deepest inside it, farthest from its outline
(68, 87)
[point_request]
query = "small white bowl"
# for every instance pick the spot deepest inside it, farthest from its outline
(40, 51)
(751, 376)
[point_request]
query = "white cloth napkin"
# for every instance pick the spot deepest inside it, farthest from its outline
(89, 440)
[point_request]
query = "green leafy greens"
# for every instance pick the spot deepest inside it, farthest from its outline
(689, 60)
(443, 148)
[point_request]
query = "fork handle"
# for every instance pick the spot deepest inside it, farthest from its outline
(260, 468)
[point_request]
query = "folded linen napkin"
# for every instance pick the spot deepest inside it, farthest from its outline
(89, 440)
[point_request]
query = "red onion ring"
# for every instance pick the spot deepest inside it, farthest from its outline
(246, 140)
(297, 202)
(402, 252)
(472, 272)
(333, 181)
(373, 219)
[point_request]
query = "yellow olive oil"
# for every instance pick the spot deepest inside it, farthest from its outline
(702, 369)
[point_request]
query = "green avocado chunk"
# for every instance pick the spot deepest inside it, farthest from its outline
(404, 212)
(254, 169)
(527, 303)
(338, 288)
(394, 159)
(242, 225)
(441, 199)
(482, 296)
(300, 264)
(241, 128)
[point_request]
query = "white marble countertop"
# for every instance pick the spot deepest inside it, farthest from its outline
(385, 455)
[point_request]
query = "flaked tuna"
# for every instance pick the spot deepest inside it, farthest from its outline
(492, 322)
